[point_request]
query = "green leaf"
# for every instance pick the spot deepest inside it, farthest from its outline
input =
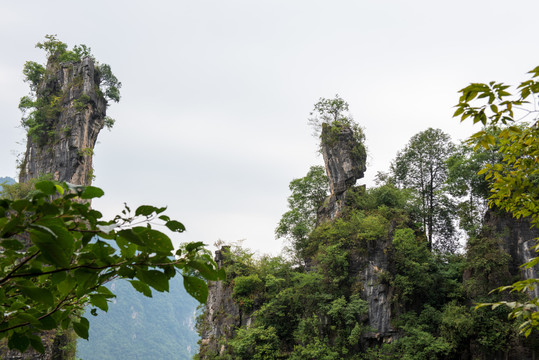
(100, 301)
(147, 210)
(153, 239)
(221, 274)
(86, 279)
(141, 287)
(28, 318)
(81, 328)
(207, 271)
(174, 225)
(194, 246)
(11, 244)
(47, 323)
(40, 295)
(20, 205)
(66, 285)
(59, 188)
(56, 245)
(48, 209)
(91, 192)
(18, 341)
(196, 287)
(154, 278)
(46, 187)
(37, 344)
(131, 236)
(127, 249)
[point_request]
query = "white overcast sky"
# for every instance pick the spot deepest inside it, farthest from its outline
(216, 94)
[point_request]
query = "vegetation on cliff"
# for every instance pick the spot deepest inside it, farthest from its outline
(42, 107)
(370, 285)
(515, 179)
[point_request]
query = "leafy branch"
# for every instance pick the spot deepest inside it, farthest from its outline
(65, 253)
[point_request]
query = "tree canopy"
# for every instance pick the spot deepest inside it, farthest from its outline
(308, 193)
(41, 108)
(421, 166)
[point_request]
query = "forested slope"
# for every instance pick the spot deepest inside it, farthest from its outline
(378, 273)
(138, 327)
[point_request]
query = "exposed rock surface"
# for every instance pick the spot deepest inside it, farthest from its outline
(345, 161)
(67, 156)
(517, 237)
(222, 315)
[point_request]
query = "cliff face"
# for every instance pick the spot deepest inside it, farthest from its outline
(67, 153)
(517, 239)
(345, 161)
(368, 262)
(222, 317)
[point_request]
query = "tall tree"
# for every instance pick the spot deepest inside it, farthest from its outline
(308, 193)
(470, 189)
(421, 166)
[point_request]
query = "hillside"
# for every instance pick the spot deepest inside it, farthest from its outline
(138, 327)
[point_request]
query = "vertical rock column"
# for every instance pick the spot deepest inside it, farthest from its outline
(345, 161)
(67, 152)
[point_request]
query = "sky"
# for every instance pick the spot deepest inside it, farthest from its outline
(216, 94)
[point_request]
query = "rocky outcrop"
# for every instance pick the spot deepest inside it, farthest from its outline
(517, 239)
(223, 316)
(345, 161)
(377, 292)
(58, 346)
(67, 152)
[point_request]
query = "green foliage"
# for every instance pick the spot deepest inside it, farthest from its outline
(328, 111)
(43, 106)
(514, 181)
(308, 193)
(488, 264)
(421, 166)
(110, 83)
(245, 290)
(58, 253)
(81, 103)
(33, 74)
(257, 343)
(16, 190)
(414, 267)
(109, 122)
(318, 349)
(331, 116)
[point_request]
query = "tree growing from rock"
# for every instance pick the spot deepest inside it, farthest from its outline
(308, 193)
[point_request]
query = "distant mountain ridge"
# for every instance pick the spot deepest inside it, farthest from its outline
(138, 327)
(7, 181)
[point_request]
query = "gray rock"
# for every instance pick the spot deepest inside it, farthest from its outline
(345, 161)
(67, 156)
